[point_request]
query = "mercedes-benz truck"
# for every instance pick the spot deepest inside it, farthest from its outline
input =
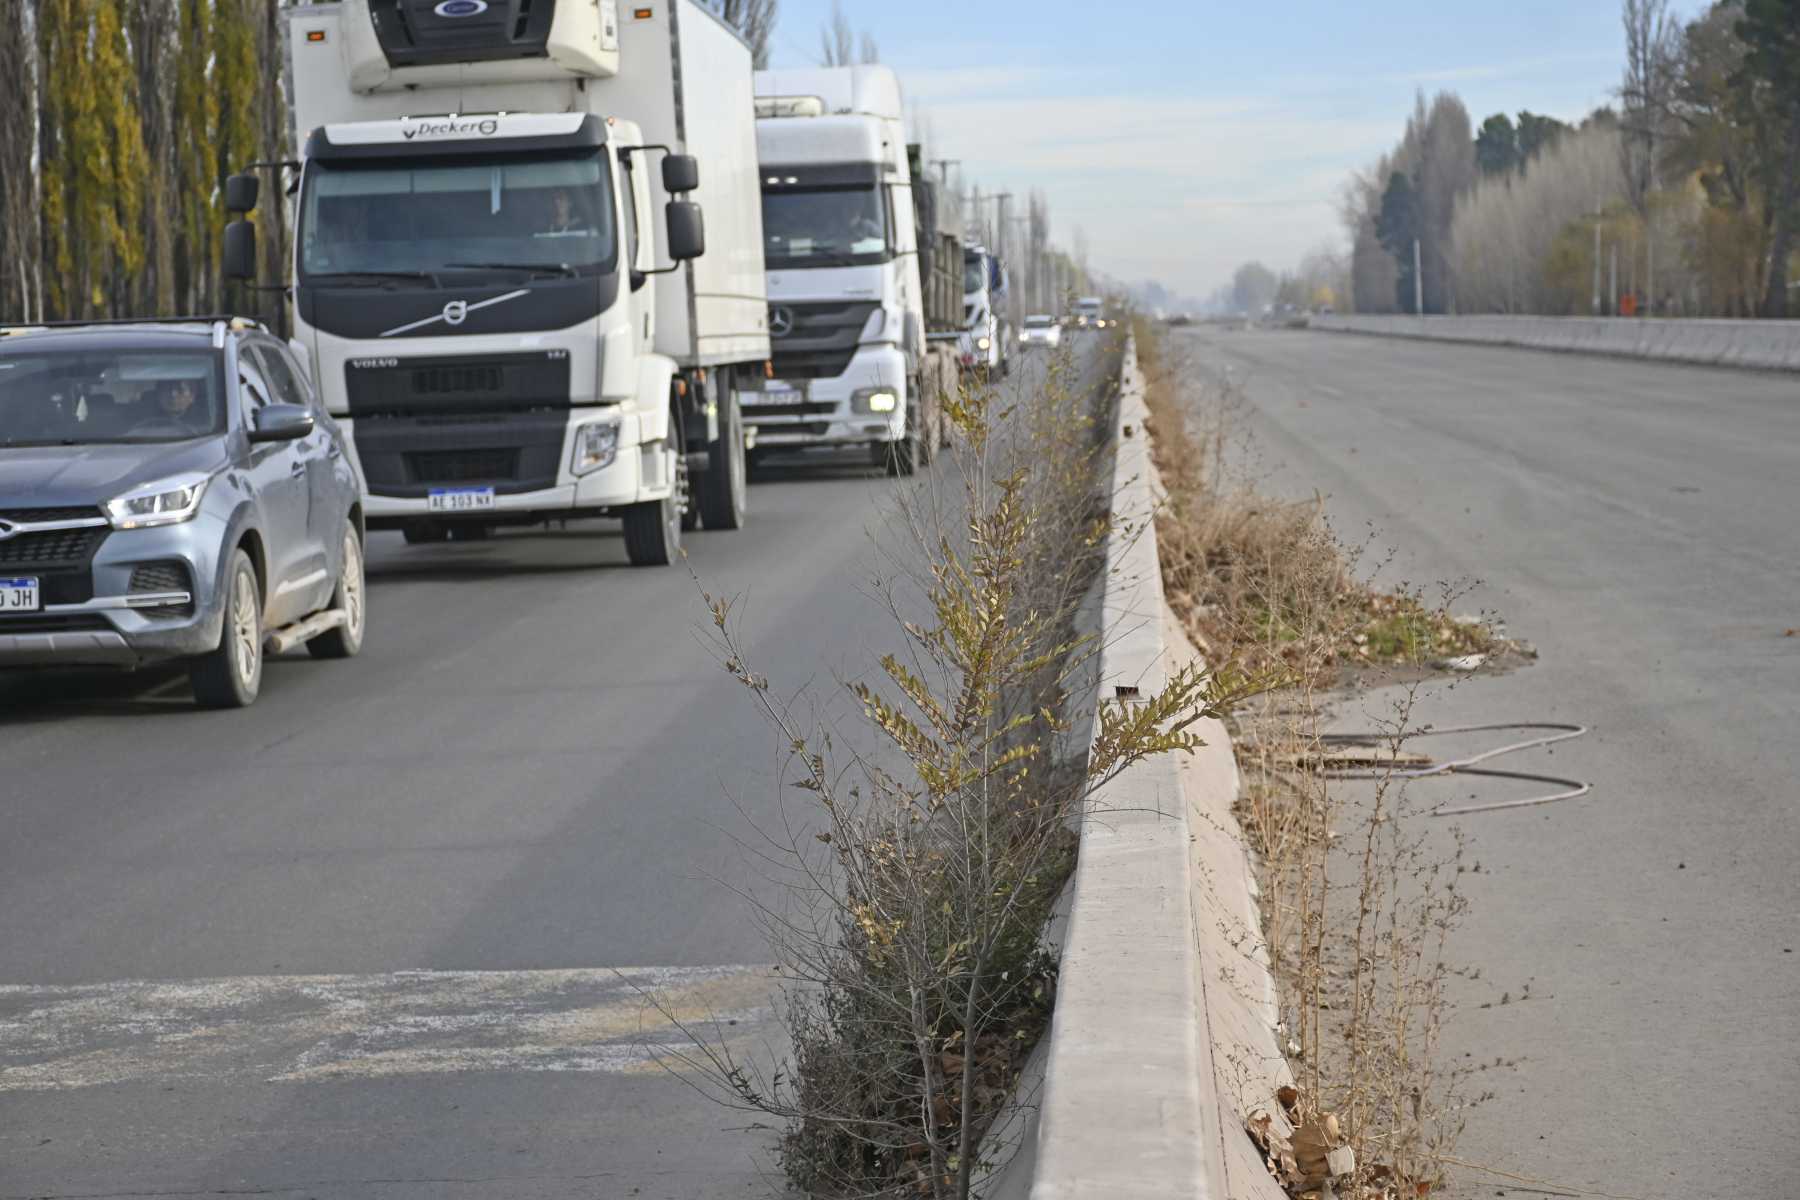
(846, 321)
(987, 337)
(501, 276)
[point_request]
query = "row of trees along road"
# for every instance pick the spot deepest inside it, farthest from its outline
(1683, 200)
(119, 121)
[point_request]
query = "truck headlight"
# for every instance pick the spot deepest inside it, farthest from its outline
(596, 445)
(874, 400)
(983, 342)
(165, 502)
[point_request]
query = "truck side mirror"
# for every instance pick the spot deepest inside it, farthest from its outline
(681, 174)
(240, 193)
(687, 230)
(240, 250)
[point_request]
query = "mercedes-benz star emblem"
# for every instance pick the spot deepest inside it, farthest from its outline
(456, 312)
(7, 529)
(781, 322)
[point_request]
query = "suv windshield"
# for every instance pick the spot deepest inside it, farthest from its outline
(824, 227)
(386, 221)
(78, 397)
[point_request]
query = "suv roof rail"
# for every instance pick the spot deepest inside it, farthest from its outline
(230, 320)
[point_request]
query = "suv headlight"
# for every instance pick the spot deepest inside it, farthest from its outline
(165, 502)
(983, 342)
(596, 445)
(874, 400)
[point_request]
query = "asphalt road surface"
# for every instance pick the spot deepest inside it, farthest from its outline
(390, 932)
(1640, 524)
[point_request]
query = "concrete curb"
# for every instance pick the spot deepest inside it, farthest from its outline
(1759, 345)
(1163, 1025)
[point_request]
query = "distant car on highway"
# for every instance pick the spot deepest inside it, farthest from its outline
(172, 490)
(1040, 329)
(1090, 313)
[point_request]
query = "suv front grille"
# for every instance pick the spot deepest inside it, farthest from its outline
(52, 548)
(27, 516)
(462, 466)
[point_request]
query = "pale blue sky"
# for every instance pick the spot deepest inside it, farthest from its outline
(1185, 138)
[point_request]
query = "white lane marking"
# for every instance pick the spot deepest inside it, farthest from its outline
(296, 1028)
(1328, 390)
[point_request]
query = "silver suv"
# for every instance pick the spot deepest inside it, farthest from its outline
(172, 490)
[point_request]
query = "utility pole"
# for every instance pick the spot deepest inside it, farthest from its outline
(1595, 309)
(1613, 300)
(943, 165)
(1418, 283)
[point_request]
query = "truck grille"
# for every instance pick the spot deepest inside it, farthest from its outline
(463, 466)
(821, 337)
(754, 413)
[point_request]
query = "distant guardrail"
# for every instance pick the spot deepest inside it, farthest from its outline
(1762, 345)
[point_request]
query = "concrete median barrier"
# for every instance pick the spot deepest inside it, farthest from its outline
(1164, 1027)
(1761, 345)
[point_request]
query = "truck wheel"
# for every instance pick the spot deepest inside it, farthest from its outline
(724, 491)
(653, 528)
(349, 595)
(231, 675)
(905, 455)
(928, 421)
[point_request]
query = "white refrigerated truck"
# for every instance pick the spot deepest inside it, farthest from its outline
(500, 275)
(846, 317)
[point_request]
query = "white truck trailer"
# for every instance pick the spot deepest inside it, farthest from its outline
(846, 318)
(501, 277)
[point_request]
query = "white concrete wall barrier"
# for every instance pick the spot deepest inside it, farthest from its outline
(1762, 345)
(1163, 1031)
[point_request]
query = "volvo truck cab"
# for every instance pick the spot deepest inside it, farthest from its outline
(503, 281)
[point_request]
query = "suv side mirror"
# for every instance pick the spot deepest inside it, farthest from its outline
(241, 192)
(687, 230)
(681, 173)
(280, 423)
(240, 251)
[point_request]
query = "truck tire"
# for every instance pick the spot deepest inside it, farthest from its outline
(653, 527)
(724, 490)
(350, 595)
(907, 455)
(230, 675)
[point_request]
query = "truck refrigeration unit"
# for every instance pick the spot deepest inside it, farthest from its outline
(846, 319)
(502, 279)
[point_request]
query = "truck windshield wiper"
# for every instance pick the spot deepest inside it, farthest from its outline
(535, 268)
(377, 276)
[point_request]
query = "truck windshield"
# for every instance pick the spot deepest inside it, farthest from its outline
(974, 278)
(390, 220)
(80, 397)
(824, 227)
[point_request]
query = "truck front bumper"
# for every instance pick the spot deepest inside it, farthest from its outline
(839, 411)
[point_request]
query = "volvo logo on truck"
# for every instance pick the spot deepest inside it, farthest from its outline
(456, 312)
